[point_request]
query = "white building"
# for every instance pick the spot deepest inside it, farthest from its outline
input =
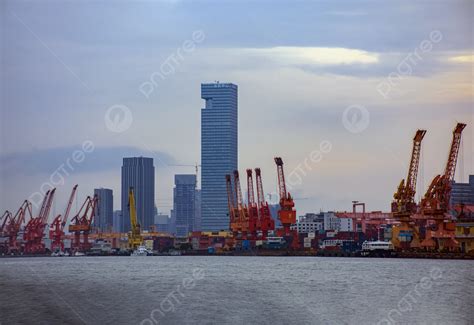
(310, 223)
(332, 222)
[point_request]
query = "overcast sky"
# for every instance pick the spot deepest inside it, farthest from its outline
(309, 73)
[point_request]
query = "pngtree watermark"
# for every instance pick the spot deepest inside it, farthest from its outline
(65, 169)
(173, 300)
(356, 118)
(295, 177)
(118, 118)
(413, 297)
(406, 66)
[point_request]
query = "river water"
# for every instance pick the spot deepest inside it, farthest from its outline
(235, 290)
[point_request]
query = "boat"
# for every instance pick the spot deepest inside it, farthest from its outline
(79, 254)
(377, 248)
(141, 251)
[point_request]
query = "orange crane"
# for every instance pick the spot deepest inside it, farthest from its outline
(405, 235)
(287, 213)
(241, 208)
(436, 202)
(254, 224)
(81, 224)
(34, 230)
(235, 226)
(56, 229)
(266, 221)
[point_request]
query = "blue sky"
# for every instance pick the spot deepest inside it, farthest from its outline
(298, 64)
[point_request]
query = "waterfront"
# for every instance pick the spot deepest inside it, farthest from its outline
(234, 290)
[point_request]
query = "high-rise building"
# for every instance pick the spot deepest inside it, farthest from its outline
(184, 203)
(104, 211)
(139, 173)
(463, 193)
(219, 149)
(117, 223)
(197, 212)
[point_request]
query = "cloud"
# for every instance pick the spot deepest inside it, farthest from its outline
(462, 59)
(99, 159)
(314, 55)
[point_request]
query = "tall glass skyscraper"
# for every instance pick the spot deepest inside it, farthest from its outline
(104, 211)
(139, 173)
(218, 152)
(184, 203)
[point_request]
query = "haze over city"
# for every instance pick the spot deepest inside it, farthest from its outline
(298, 69)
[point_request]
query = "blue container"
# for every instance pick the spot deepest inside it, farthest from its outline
(246, 244)
(211, 250)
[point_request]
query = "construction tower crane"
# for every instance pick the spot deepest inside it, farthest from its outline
(34, 230)
(287, 213)
(405, 235)
(233, 211)
(241, 208)
(81, 224)
(435, 205)
(267, 223)
(254, 222)
(56, 229)
(135, 238)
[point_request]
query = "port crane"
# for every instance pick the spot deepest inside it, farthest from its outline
(34, 229)
(253, 221)
(241, 208)
(13, 227)
(286, 213)
(56, 229)
(135, 238)
(267, 224)
(435, 205)
(405, 235)
(7, 215)
(81, 223)
(235, 226)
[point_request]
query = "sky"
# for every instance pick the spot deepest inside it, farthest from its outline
(336, 88)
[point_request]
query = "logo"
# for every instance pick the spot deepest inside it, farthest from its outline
(118, 118)
(356, 118)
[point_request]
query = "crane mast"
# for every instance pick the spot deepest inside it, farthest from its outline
(241, 208)
(56, 230)
(287, 213)
(135, 238)
(254, 224)
(231, 201)
(438, 195)
(404, 198)
(267, 223)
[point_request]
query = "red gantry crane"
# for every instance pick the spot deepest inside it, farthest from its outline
(287, 213)
(253, 223)
(241, 208)
(82, 224)
(56, 230)
(12, 228)
(34, 230)
(266, 222)
(405, 235)
(435, 205)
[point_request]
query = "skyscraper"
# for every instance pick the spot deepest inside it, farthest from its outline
(184, 203)
(139, 173)
(104, 211)
(218, 152)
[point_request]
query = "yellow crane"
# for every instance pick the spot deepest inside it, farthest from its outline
(135, 238)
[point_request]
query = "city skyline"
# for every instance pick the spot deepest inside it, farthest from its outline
(295, 85)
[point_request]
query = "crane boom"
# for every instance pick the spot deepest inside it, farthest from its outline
(260, 193)
(250, 192)
(69, 204)
(134, 237)
(450, 168)
(281, 178)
